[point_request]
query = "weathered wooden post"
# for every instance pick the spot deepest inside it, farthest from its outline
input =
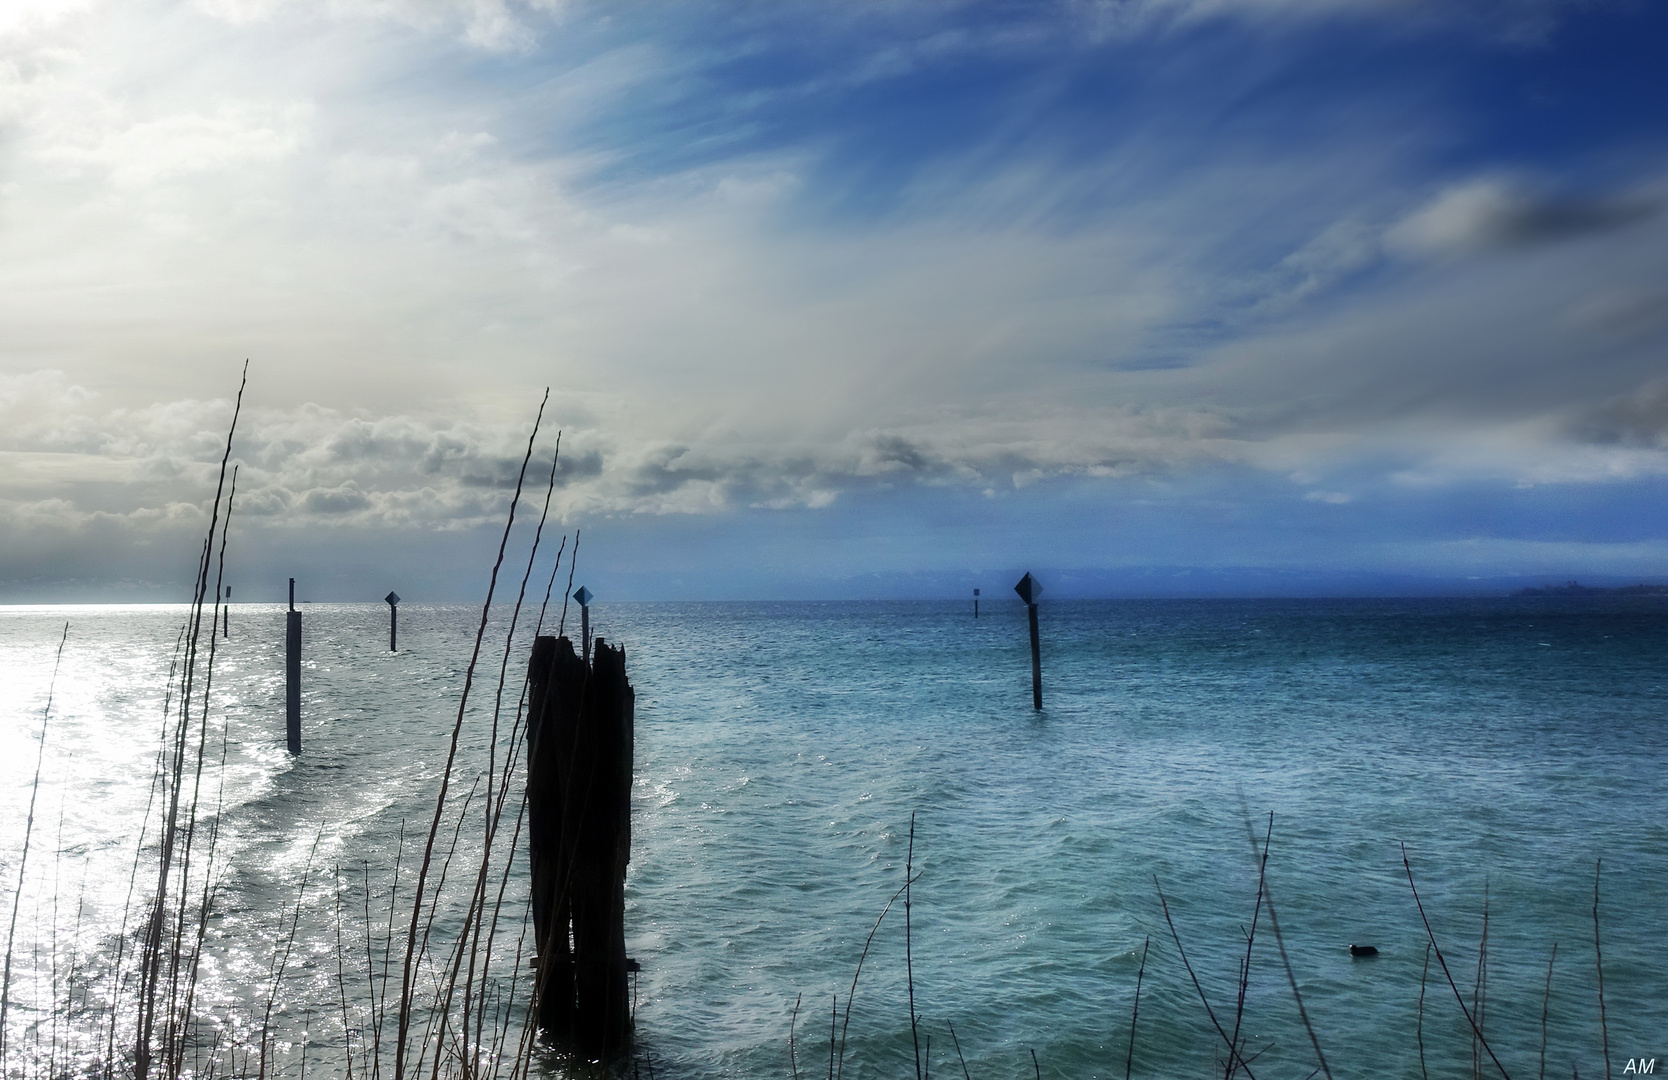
(1029, 589)
(579, 767)
(975, 603)
(292, 674)
(393, 602)
(226, 615)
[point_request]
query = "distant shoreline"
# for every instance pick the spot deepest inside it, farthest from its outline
(1575, 588)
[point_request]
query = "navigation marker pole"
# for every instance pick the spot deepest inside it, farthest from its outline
(292, 674)
(225, 616)
(393, 602)
(1029, 589)
(583, 595)
(975, 603)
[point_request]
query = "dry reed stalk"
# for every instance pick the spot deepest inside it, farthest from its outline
(1250, 939)
(1479, 992)
(1233, 1052)
(23, 860)
(1419, 1028)
(1546, 1005)
(1442, 961)
(1135, 1011)
(157, 777)
(281, 959)
(793, 1062)
(1034, 1065)
(475, 914)
(840, 1071)
(406, 988)
(152, 950)
(909, 963)
(1598, 956)
(1280, 944)
(964, 1073)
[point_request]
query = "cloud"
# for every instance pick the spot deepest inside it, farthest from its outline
(1638, 419)
(1494, 215)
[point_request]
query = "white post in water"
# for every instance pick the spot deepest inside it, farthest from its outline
(1029, 589)
(583, 595)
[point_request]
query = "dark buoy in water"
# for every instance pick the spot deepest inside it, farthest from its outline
(1363, 950)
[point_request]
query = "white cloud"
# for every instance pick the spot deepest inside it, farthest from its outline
(1491, 214)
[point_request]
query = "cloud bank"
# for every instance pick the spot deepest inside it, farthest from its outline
(954, 249)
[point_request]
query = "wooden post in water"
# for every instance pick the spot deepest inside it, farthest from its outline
(1029, 589)
(393, 602)
(292, 674)
(579, 767)
(226, 615)
(975, 603)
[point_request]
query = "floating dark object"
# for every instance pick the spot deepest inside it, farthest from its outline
(1363, 950)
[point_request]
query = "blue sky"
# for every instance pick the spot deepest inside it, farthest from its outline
(1158, 296)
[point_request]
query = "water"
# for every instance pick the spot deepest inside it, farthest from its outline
(782, 749)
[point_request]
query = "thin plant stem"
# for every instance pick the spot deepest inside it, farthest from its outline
(28, 832)
(1598, 956)
(1419, 1027)
(852, 993)
(1546, 1006)
(406, 988)
(909, 963)
(1285, 960)
(793, 1062)
(1233, 1052)
(1135, 1011)
(965, 1075)
(1442, 961)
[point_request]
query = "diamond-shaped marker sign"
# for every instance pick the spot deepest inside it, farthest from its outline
(583, 595)
(391, 599)
(1029, 588)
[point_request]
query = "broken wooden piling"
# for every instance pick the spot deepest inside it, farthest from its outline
(579, 767)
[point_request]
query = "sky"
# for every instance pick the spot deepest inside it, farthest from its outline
(858, 299)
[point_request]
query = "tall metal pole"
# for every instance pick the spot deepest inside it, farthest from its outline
(292, 674)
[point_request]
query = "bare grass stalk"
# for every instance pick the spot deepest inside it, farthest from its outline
(406, 987)
(23, 860)
(1135, 1010)
(1280, 944)
(909, 962)
(1546, 1005)
(793, 1061)
(852, 993)
(1419, 1026)
(965, 1075)
(1442, 961)
(1233, 1052)
(1598, 957)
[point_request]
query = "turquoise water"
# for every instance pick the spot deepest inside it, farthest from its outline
(782, 749)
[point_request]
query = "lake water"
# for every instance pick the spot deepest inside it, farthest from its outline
(781, 751)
